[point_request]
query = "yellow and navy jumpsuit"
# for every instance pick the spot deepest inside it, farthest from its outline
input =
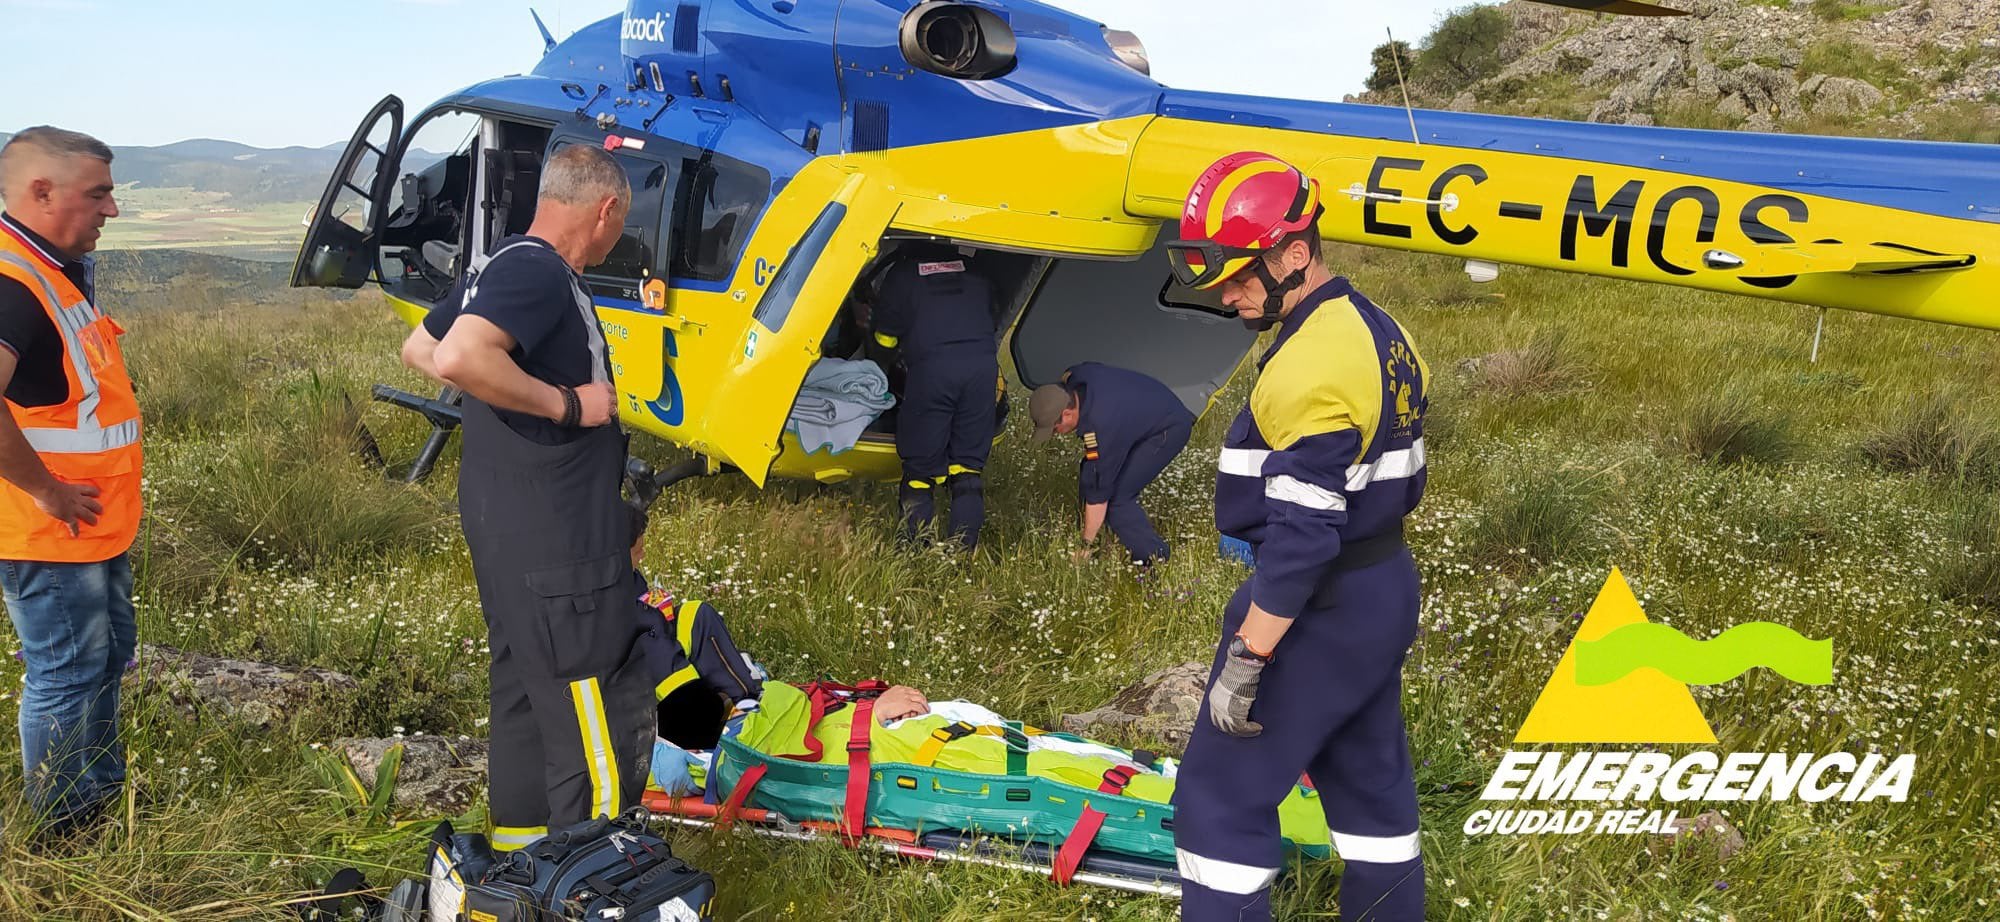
(1317, 474)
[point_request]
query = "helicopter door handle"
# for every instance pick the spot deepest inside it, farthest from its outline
(654, 295)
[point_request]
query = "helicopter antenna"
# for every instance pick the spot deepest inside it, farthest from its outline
(1404, 85)
(548, 41)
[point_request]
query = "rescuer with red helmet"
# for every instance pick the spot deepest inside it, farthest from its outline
(1316, 474)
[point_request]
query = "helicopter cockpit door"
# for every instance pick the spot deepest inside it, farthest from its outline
(743, 421)
(339, 250)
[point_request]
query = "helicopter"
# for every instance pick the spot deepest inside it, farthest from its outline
(781, 151)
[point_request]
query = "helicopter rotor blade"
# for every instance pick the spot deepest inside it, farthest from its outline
(1619, 7)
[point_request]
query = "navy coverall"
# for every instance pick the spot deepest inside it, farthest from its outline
(1132, 427)
(938, 310)
(571, 699)
(1317, 474)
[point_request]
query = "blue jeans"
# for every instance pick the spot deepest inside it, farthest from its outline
(77, 633)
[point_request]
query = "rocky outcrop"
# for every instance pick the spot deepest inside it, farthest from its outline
(258, 694)
(1886, 67)
(438, 777)
(1161, 707)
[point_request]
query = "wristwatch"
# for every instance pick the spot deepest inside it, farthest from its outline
(1239, 648)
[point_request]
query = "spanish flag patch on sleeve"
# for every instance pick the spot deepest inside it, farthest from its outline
(1090, 446)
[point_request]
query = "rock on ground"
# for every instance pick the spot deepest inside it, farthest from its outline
(1162, 706)
(438, 777)
(256, 693)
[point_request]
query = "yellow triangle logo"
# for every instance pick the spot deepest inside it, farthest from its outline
(1645, 706)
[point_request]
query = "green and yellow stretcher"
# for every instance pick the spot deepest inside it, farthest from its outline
(814, 760)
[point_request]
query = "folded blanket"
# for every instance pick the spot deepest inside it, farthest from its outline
(837, 401)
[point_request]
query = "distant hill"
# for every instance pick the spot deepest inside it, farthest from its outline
(141, 280)
(244, 175)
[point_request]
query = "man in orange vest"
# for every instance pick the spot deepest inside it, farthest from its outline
(69, 473)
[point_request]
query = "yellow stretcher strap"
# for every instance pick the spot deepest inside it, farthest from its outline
(934, 746)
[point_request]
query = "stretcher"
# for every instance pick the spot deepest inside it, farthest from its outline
(954, 785)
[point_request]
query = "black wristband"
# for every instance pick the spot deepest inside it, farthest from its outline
(572, 407)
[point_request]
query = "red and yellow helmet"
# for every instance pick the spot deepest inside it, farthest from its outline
(1240, 208)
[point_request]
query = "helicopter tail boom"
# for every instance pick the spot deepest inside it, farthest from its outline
(1909, 229)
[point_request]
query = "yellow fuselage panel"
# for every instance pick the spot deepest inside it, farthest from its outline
(1582, 216)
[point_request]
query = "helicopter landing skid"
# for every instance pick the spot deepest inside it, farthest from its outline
(443, 414)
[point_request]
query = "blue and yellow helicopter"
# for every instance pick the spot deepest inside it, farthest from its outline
(779, 150)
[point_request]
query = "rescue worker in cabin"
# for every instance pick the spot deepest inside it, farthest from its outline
(70, 467)
(1132, 426)
(1316, 474)
(538, 494)
(936, 310)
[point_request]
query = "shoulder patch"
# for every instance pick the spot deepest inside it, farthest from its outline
(1090, 446)
(954, 265)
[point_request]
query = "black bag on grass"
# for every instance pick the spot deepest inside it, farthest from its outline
(597, 870)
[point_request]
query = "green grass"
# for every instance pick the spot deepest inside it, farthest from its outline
(268, 537)
(1844, 11)
(1835, 56)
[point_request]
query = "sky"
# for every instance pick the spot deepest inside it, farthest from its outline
(274, 73)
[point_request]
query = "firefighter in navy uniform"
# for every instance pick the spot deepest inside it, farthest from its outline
(936, 308)
(1317, 475)
(1132, 426)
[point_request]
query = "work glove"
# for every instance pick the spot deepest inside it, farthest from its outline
(1229, 699)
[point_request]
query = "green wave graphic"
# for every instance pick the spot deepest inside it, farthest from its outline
(1704, 662)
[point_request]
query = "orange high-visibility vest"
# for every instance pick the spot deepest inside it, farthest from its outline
(92, 438)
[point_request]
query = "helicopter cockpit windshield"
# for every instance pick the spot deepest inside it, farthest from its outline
(427, 230)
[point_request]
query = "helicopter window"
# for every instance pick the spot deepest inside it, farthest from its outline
(718, 202)
(776, 305)
(632, 257)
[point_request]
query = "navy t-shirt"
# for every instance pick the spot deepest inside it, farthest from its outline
(527, 292)
(26, 330)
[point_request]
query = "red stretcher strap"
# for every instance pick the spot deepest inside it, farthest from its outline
(1070, 856)
(740, 796)
(1116, 779)
(856, 809)
(823, 694)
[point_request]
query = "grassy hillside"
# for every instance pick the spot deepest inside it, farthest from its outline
(1576, 426)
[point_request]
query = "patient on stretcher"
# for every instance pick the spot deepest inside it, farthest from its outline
(708, 689)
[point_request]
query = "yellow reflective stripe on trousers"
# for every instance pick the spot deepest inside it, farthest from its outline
(509, 838)
(1222, 876)
(958, 469)
(1376, 849)
(887, 341)
(597, 754)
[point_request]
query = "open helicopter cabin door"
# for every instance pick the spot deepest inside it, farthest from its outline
(341, 233)
(1132, 315)
(743, 419)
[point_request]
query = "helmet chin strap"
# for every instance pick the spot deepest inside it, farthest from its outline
(1275, 291)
